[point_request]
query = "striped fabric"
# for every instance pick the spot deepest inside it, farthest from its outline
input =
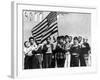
(45, 28)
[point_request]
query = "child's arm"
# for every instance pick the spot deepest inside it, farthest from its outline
(27, 50)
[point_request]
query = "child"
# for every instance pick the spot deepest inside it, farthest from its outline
(39, 54)
(34, 47)
(67, 48)
(53, 63)
(85, 48)
(75, 52)
(28, 55)
(47, 53)
(60, 49)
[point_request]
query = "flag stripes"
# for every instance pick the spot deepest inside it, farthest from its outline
(45, 28)
(49, 34)
(39, 32)
(50, 31)
(39, 25)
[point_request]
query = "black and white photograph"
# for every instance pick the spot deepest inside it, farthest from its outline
(53, 39)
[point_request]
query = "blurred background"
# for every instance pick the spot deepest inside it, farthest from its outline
(73, 24)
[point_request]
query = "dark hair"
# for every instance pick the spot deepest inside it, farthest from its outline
(25, 43)
(66, 36)
(62, 37)
(76, 38)
(70, 37)
(58, 38)
(31, 38)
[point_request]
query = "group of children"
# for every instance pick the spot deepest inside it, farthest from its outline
(64, 51)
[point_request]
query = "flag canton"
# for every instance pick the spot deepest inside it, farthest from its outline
(52, 17)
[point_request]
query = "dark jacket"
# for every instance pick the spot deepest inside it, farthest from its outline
(44, 50)
(60, 51)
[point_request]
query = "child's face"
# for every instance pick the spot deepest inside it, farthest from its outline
(76, 42)
(80, 38)
(27, 44)
(85, 40)
(32, 41)
(61, 40)
(67, 39)
(48, 40)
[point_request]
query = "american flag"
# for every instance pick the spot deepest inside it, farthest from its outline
(46, 28)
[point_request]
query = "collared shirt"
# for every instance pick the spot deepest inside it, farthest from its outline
(34, 47)
(67, 46)
(75, 50)
(28, 51)
(54, 45)
(49, 48)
